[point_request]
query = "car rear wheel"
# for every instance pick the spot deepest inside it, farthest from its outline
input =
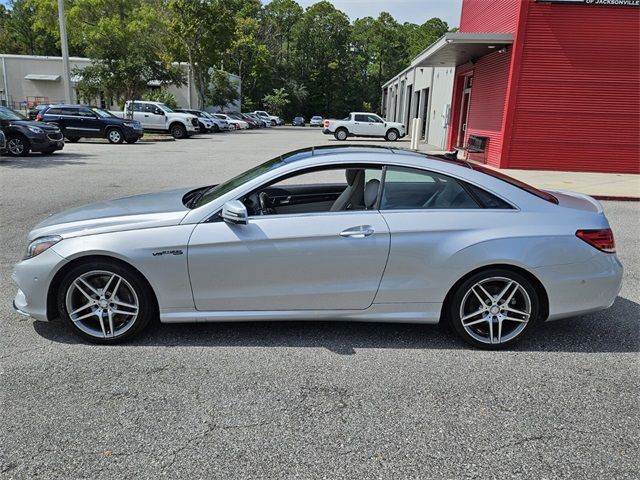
(17, 145)
(105, 302)
(114, 135)
(178, 131)
(341, 134)
(494, 308)
(392, 135)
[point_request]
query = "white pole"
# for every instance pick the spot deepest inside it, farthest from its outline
(66, 80)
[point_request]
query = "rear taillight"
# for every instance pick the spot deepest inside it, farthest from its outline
(601, 239)
(38, 118)
(326, 124)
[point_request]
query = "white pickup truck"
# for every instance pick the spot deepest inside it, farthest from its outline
(269, 118)
(157, 117)
(364, 124)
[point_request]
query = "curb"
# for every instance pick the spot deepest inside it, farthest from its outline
(163, 138)
(614, 198)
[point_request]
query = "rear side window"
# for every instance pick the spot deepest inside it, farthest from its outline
(69, 111)
(409, 188)
(486, 199)
(52, 111)
(517, 183)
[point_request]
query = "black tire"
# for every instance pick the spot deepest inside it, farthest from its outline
(491, 323)
(273, 123)
(392, 135)
(73, 139)
(178, 131)
(146, 300)
(132, 140)
(48, 152)
(215, 128)
(202, 128)
(17, 145)
(341, 134)
(115, 136)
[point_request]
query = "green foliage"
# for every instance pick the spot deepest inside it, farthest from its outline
(276, 101)
(161, 95)
(323, 62)
(221, 89)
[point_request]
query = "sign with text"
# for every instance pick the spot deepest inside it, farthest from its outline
(609, 3)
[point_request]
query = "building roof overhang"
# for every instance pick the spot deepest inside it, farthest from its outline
(458, 48)
(42, 77)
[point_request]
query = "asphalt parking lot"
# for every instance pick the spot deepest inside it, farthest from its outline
(299, 400)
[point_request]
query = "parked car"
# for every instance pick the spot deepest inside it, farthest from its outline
(298, 122)
(237, 124)
(316, 121)
(350, 233)
(240, 117)
(221, 124)
(263, 122)
(158, 117)
(205, 123)
(24, 135)
(79, 121)
(271, 118)
(33, 112)
(363, 124)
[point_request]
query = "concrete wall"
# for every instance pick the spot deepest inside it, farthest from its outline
(421, 92)
(17, 91)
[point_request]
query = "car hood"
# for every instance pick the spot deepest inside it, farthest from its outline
(48, 127)
(129, 213)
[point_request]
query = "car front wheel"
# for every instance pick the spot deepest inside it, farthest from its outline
(178, 131)
(392, 135)
(494, 308)
(105, 302)
(115, 136)
(17, 146)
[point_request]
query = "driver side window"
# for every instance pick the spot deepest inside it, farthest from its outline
(318, 191)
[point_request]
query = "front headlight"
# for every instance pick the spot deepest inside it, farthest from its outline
(36, 129)
(129, 124)
(39, 245)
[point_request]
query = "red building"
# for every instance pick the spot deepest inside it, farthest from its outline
(546, 84)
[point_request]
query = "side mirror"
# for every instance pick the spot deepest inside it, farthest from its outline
(235, 212)
(159, 111)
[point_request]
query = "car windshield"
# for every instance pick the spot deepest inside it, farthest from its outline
(165, 108)
(103, 113)
(8, 114)
(219, 190)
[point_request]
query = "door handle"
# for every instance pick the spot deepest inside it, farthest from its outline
(361, 231)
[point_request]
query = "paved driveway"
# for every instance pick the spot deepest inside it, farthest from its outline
(298, 400)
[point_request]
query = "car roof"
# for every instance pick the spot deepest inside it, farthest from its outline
(326, 150)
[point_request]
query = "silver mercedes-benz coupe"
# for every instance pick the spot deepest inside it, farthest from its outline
(326, 233)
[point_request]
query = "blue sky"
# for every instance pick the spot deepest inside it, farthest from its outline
(416, 11)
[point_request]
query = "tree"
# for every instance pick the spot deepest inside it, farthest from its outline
(20, 33)
(322, 56)
(199, 31)
(123, 39)
(276, 101)
(221, 90)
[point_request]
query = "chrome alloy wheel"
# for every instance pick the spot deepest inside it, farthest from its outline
(102, 304)
(495, 310)
(114, 136)
(16, 146)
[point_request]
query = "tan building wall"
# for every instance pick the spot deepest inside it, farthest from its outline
(28, 79)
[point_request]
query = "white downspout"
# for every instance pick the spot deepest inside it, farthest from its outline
(6, 84)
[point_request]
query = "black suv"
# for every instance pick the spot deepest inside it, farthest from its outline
(24, 135)
(79, 121)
